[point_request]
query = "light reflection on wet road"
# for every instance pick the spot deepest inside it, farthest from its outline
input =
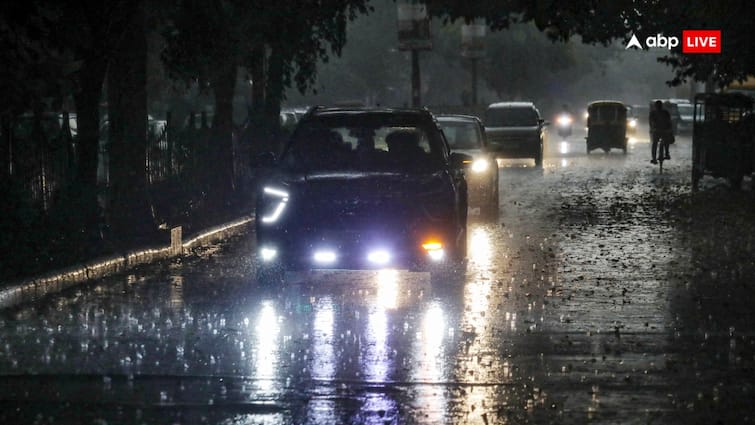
(575, 306)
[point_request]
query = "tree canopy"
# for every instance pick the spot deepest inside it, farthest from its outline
(601, 22)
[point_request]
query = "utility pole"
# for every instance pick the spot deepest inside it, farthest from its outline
(414, 35)
(473, 48)
(416, 81)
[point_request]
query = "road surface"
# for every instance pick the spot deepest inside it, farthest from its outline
(605, 292)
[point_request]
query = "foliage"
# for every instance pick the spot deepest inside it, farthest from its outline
(520, 63)
(602, 22)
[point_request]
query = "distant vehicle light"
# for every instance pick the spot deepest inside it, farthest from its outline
(480, 165)
(282, 195)
(380, 257)
(324, 257)
(633, 122)
(564, 120)
(268, 254)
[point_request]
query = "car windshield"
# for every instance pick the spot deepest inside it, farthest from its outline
(365, 142)
(510, 117)
(461, 134)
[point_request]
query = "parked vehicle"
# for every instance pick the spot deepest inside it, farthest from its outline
(722, 141)
(606, 126)
(682, 119)
(466, 134)
(516, 130)
(361, 188)
(681, 114)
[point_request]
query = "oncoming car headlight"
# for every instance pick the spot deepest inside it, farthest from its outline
(279, 198)
(633, 122)
(564, 120)
(480, 165)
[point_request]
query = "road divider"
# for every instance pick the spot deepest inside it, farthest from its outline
(35, 288)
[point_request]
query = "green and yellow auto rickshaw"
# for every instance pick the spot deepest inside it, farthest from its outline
(606, 125)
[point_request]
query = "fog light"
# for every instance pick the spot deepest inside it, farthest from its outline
(434, 250)
(324, 257)
(480, 165)
(436, 254)
(380, 257)
(268, 254)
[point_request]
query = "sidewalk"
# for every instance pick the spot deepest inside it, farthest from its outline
(35, 288)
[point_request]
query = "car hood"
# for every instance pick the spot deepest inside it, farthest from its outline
(476, 153)
(372, 200)
(370, 185)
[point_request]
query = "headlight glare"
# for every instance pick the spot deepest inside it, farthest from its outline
(480, 165)
(268, 254)
(564, 120)
(380, 257)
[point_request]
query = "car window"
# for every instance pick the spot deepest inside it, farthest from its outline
(461, 134)
(511, 117)
(364, 144)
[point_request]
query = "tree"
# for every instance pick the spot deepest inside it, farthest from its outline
(602, 22)
(209, 40)
(65, 48)
(130, 215)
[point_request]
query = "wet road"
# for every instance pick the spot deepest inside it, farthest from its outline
(605, 292)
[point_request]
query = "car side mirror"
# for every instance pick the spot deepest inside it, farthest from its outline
(264, 160)
(543, 122)
(459, 160)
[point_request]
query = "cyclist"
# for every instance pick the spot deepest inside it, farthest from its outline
(660, 129)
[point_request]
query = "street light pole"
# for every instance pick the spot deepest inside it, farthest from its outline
(414, 35)
(473, 48)
(416, 81)
(474, 81)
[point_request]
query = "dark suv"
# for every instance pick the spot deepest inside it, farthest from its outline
(515, 130)
(362, 188)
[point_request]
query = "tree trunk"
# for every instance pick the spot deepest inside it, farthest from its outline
(87, 99)
(255, 134)
(221, 146)
(273, 99)
(130, 211)
(257, 70)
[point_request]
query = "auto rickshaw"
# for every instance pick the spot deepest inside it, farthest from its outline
(606, 125)
(722, 138)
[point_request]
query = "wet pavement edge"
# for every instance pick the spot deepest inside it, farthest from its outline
(35, 288)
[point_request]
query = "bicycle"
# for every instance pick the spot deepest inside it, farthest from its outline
(662, 148)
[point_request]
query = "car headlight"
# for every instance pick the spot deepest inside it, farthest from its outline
(633, 123)
(480, 165)
(564, 120)
(278, 200)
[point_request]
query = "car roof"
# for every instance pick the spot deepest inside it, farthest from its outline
(511, 105)
(456, 117)
(605, 102)
(325, 111)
